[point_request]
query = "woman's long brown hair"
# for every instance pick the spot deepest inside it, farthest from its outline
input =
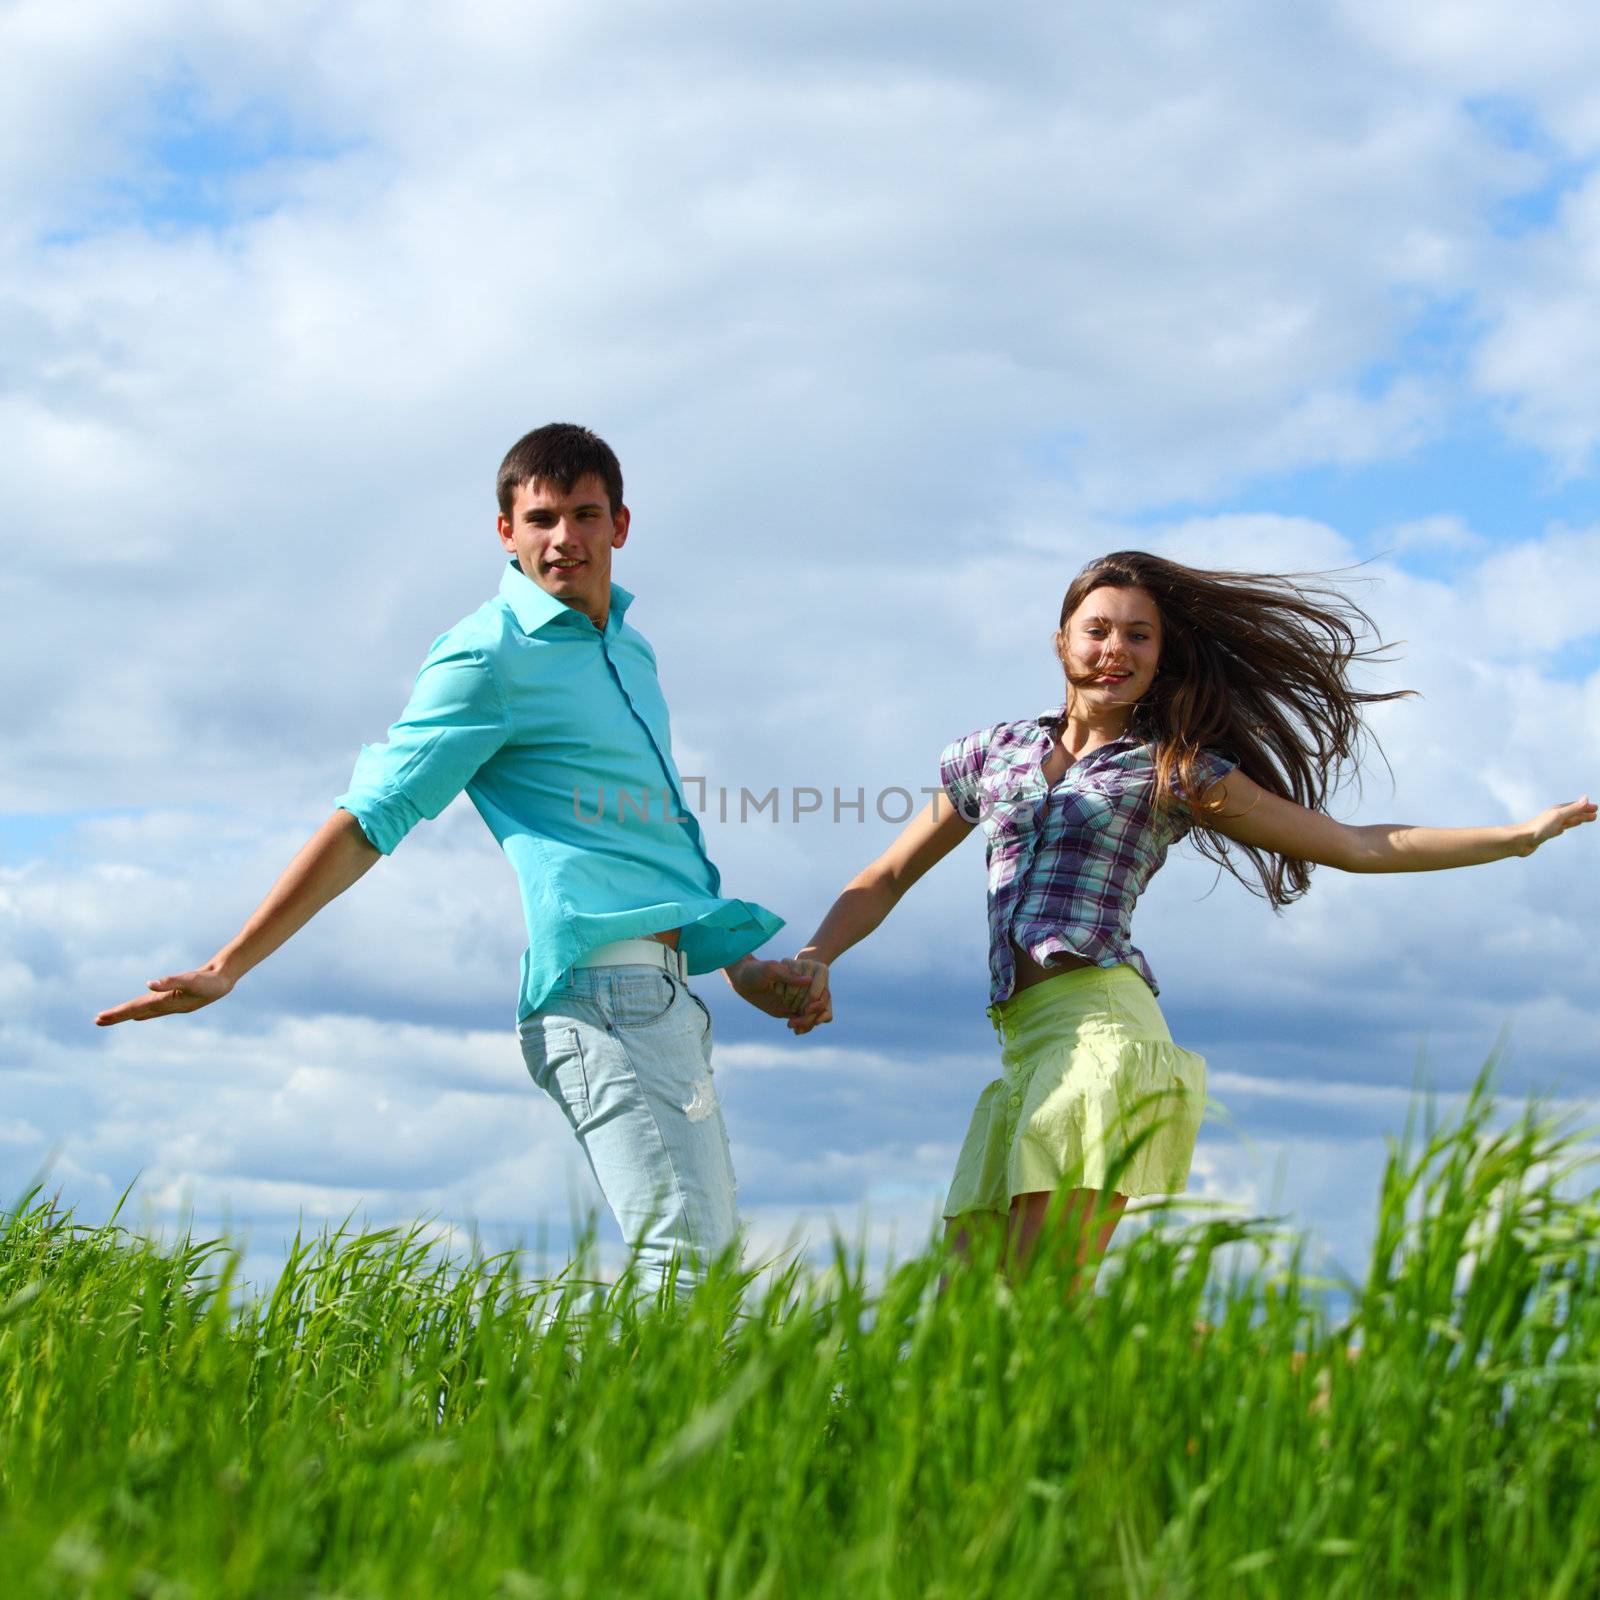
(1256, 666)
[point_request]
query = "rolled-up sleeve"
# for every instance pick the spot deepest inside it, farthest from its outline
(960, 766)
(455, 721)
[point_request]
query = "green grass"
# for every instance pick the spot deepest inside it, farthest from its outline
(385, 1423)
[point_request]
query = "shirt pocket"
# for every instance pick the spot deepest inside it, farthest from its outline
(1010, 811)
(1085, 812)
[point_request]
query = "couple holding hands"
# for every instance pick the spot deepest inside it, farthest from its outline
(1212, 702)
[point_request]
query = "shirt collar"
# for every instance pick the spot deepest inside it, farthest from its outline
(535, 608)
(1049, 721)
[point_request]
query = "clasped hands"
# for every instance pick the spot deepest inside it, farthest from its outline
(796, 989)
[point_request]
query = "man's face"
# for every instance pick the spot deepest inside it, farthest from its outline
(564, 541)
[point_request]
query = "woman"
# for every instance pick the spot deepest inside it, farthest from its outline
(1216, 701)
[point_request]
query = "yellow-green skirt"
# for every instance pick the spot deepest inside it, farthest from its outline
(1093, 1093)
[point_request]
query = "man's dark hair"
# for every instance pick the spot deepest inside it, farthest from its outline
(560, 453)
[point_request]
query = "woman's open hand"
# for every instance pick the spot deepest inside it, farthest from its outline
(1556, 820)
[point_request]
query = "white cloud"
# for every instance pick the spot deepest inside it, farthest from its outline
(1448, 533)
(1538, 358)
(867, 290)
(1538, 56)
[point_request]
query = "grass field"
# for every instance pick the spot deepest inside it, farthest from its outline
(386, 1423)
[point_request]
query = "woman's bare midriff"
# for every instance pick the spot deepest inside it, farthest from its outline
(1029, 972)
(668, 937)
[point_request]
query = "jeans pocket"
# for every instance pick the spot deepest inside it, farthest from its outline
(554, 1058)
(635, 999)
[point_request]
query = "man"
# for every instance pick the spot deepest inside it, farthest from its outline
(544, 706)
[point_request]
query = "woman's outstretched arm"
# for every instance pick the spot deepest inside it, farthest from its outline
(1251, 815)
(875, 891)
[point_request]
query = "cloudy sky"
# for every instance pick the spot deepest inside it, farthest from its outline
(896, 315)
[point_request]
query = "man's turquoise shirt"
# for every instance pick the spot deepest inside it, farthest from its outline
(558, 733)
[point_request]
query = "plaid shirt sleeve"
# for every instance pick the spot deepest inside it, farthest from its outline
(960, 767)
(1210, 766)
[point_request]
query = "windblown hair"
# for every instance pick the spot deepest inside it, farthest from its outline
(560, 453)
(1256, 666)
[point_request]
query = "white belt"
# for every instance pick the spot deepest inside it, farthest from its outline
(637, 953)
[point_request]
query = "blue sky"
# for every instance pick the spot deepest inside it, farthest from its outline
(895, 319)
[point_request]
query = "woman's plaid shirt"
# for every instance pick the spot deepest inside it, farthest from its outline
(1068, 863)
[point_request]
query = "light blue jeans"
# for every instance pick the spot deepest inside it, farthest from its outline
(626, 1053)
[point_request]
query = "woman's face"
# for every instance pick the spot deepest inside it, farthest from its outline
(1110, 647)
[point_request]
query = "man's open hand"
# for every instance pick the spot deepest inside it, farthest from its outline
(187, 991)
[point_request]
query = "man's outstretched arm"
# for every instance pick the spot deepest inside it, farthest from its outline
(328, 863)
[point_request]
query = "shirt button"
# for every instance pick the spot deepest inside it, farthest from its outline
(1016, 1100)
